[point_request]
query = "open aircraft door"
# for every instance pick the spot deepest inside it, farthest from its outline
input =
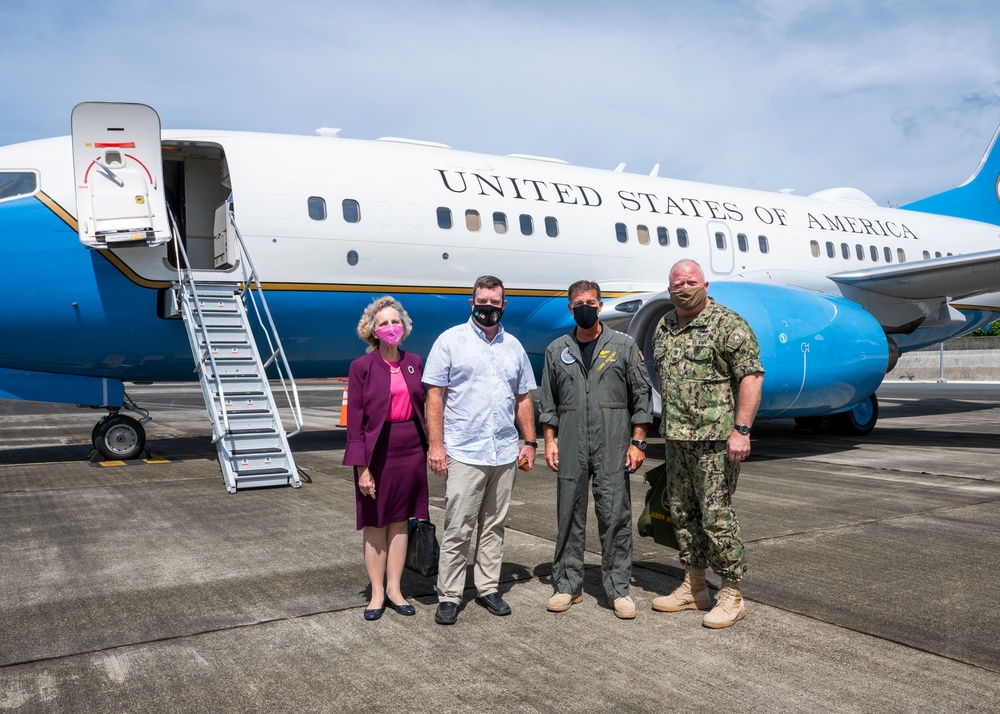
(118, 169)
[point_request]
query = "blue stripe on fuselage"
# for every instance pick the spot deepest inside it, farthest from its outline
(70, 310)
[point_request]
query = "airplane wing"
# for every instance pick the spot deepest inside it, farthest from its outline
(955, 276)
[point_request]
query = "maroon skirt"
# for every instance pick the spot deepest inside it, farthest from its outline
(399, 468)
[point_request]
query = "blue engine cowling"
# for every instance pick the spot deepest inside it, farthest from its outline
(822, 354)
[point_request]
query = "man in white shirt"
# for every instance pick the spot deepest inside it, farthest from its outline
(478, 380)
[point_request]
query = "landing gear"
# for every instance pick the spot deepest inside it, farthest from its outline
(118, 437)
(860, 420)
(857, 422)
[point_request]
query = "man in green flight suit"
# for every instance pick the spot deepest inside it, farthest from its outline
(596, 392)
(708, 362)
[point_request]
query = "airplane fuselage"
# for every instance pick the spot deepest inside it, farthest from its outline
(331, 223)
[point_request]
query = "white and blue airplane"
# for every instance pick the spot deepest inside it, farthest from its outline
(834, 285)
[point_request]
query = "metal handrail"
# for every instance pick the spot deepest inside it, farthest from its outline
(251, 284)
(185, 276)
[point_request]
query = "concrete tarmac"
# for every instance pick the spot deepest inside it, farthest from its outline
(148, 588)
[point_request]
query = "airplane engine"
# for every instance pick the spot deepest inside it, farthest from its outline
(822, 354)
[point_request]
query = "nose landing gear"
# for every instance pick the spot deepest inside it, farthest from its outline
(118, 437)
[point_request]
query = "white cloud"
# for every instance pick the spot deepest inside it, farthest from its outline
(898, 99)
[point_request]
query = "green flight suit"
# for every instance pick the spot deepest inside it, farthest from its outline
(594, 412)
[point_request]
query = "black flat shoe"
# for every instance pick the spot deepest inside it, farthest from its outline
(406, 609)
(494, 603)
(374, 614)
(447, 613)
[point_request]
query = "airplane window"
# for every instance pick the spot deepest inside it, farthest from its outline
(352, 257)
(527, 225)
(949, 253)
(317, 208)
(642, 235)
(720, 240)
(352, 211)
(814, 248)
(901, 255)
(874, 252)
(937, 254)
(830, 250)
(472, 221)
(663, 236)
(551, 227)
(926, 255)
(682, 237)
(742, 243)
(621, 233)
(763, 244)
(887, 251)
(444, 217)
(17, 183)
(500, 222)
(860, 250)
(845, 250)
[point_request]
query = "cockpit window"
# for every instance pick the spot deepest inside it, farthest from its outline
(14, 184)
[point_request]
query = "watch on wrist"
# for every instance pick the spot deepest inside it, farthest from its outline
(532, 444)
(640, 444)
(743, 429)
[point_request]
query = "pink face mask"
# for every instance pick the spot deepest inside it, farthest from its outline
(390, 335)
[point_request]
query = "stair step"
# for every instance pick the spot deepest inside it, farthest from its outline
(241, 432)
(257, 452)
(262, 472)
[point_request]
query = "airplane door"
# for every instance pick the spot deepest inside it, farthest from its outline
(118, 169)
(721, 248)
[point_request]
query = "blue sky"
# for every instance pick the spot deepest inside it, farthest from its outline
(898, 99)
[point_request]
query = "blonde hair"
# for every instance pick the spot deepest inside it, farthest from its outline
(366, 325)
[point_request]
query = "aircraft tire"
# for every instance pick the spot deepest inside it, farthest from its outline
(860, 420)
(815, 424)
(119, 437)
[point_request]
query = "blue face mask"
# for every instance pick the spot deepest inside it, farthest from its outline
(487, 316)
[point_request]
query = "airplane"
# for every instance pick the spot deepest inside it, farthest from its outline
(112, 238)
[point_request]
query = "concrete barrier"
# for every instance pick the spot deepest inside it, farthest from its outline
(966, 359)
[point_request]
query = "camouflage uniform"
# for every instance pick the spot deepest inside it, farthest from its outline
(700, 367)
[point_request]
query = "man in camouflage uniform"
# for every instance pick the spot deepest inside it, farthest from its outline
(708, 362)
(596, 392)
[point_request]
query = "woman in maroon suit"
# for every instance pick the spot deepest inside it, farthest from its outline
(387, 445)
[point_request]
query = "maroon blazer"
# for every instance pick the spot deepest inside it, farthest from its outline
(368, 401)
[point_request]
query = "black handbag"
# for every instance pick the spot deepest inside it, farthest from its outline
(422, 549)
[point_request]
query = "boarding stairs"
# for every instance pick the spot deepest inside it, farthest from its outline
(247, 428)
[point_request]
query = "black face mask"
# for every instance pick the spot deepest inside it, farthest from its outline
(487, 316)
(585, 316)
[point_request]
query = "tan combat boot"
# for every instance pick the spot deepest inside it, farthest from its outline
(624, 608)
(691, 595)
(728, 608)
(561, 602)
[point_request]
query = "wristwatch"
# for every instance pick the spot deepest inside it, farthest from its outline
(640, 444)
(532, 444)
(743, 429)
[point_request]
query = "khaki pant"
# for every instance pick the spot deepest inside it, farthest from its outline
(477, 498)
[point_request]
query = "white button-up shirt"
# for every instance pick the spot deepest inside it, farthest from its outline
(482, 379)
